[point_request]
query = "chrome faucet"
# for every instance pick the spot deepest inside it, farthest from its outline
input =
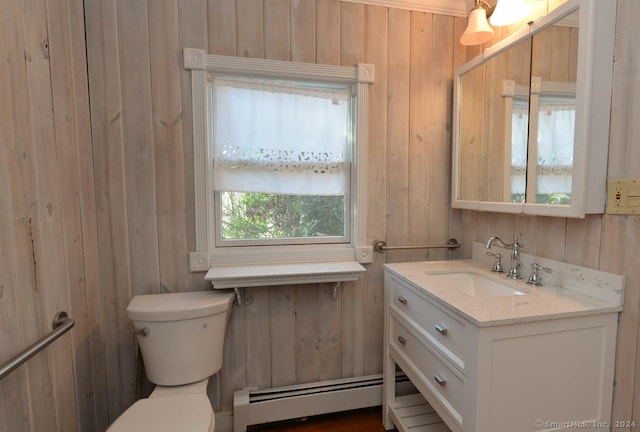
(497, 264)
(514, 271)
(534, 277)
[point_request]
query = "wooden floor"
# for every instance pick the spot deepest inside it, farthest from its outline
(367, 420)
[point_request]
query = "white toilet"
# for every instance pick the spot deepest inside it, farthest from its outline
(181, 337)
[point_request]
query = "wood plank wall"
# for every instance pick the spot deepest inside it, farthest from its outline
(144, 165)
(48, 235)
(91, 215)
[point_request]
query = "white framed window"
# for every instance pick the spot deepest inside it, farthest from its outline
(279, 162)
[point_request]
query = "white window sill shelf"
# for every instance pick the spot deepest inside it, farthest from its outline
(239, 276)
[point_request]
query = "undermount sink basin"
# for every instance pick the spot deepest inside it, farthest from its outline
(475, 285)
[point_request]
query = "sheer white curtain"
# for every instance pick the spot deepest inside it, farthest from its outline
(276, 137)
(556, 125)
(519, 134)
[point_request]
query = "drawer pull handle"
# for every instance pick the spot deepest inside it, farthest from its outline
(442, 329)
(402, 340)
(440, 380)
(402, 300)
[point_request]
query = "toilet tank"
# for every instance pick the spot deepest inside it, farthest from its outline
(184, 337)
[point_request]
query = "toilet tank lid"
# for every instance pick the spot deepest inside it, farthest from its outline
(178, 306)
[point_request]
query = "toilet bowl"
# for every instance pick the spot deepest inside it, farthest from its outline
(181, 337)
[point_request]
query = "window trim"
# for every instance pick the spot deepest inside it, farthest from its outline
(207, 255)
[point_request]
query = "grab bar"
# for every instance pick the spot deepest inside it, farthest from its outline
(61, 324)
(381, 246)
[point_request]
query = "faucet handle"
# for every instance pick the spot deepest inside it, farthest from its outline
(534, 277)
(497, 264)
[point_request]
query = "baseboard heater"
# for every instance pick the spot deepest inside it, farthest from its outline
(253, 406)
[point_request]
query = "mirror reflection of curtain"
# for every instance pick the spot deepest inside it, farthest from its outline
(519, 126)
(556, 121)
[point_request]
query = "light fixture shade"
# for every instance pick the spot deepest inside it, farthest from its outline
(478, 29)
(509, 12)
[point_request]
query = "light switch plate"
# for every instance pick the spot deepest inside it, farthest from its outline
(623, 196)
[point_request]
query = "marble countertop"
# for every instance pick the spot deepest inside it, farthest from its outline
(579, 297)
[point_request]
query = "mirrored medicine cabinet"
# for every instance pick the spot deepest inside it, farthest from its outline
(531, 117)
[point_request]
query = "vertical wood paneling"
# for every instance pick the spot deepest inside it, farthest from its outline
(440, 132)
(329, 331)
(86, 297)
(306, 331)
(49, 237)
(420, 139)
(399, 76)
(47, 229)
(139, 180)
(277, 26)
(109, 160)
(70, 108)
(166, 94)
(619, 251)
(551, 237)
(32, 307)
(526, 230)
(138, 144)
(258, 340)
(457, 217)
(249, 31)
(14, 397)
(222, 27)
(283, 338)
(377, 34)
(303, 31)
(616, 257)
(328, 32)
(583, 240)
(232, 375)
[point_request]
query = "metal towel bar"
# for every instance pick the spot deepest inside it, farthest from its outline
(61, 324)
(381, 246)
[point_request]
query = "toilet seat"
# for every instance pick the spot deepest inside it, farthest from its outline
(184, 413)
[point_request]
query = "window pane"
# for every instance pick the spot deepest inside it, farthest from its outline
(251, 215)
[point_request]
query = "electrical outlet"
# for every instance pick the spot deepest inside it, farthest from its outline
(623, 196)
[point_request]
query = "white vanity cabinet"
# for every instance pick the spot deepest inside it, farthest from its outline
(520, 375)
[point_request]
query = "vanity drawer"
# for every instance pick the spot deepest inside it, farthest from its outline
(445, 331)
(444, 383)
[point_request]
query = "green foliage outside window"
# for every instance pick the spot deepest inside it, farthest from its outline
(264, 216)
(556, 198)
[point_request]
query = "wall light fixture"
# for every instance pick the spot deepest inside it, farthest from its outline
(509, 12)
(478, 30)
(506, 12)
